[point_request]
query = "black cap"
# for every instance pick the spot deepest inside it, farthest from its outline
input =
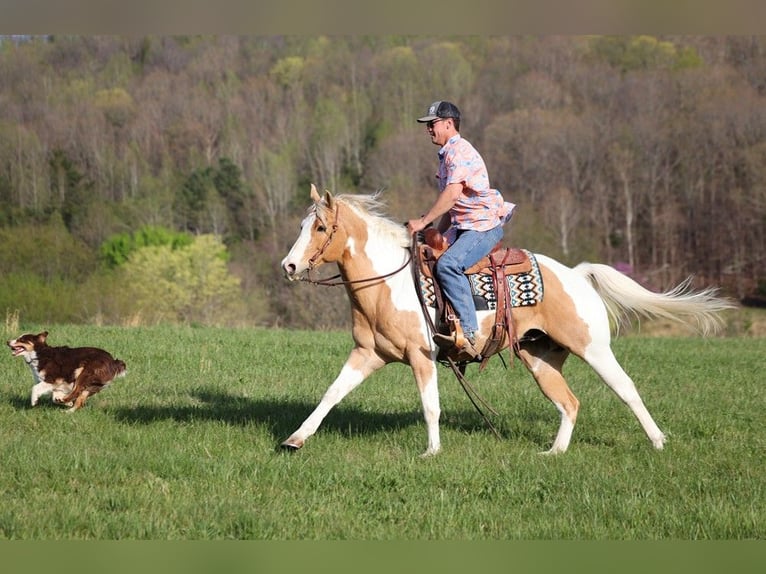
(440, 110)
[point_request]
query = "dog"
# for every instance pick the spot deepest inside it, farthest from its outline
(71, 375)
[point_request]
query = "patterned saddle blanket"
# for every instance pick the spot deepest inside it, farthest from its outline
(525, 282)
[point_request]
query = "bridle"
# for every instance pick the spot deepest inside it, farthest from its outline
(335, 280)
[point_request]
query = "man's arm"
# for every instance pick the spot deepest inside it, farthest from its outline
(441, 206)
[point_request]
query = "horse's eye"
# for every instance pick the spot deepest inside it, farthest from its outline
(321, 228)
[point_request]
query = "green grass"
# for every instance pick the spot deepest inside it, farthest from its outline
(183, 447)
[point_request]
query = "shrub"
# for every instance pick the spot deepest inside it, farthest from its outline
(190, 284)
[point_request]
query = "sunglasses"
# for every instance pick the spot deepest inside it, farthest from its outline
(431, 124)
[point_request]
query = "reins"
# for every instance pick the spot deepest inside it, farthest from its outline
(335, 280)
(459, 370)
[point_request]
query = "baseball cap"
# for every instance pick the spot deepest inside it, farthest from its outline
(440, 110)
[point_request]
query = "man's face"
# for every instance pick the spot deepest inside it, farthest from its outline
(440, 130)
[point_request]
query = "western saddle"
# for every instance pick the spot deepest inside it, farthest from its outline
(500, 262)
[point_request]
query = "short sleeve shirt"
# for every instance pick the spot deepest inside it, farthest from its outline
(480, 207)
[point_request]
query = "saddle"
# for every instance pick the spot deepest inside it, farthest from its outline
(512, 259)
(501, 262)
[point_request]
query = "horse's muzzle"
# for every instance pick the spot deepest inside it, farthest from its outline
(289, 271)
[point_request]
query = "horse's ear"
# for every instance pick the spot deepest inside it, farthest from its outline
(315, 194)
(328, 198)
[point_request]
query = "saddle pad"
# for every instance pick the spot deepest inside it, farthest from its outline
(526, 289)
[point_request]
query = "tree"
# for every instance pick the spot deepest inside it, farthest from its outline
(327, 143)
(117, 249)
(227, 179)
(630, 53)
(211, 200)
(190, 284)
(397, 87)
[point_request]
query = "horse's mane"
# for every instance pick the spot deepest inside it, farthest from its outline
(372, 209)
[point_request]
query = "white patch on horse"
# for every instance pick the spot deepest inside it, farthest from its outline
(297, 254)
(564, 435)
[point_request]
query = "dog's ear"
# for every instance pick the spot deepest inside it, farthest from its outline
(42, 336)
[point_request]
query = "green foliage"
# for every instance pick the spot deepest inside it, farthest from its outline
(192, 199)
(399, 81)
(71, 191)
(117, 105)
(446, 71)
(116, 250)
(687, 57)
(48, 251)
(288, 71)
(189, 284)
(41, 299)
(204, 190)
(630, 53)
(227, 179)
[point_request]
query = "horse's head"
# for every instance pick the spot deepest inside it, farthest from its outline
(321, 239)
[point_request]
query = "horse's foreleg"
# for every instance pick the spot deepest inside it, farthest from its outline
(426, 379)
(603, 361)
(359, 366)
(545, 359)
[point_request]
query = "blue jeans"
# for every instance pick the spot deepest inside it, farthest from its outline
(469, 247)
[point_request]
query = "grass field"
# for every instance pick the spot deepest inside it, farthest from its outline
(183, 447)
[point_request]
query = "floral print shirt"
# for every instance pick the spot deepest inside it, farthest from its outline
(480, 207)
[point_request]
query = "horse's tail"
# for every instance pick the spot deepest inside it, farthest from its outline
(626, 299)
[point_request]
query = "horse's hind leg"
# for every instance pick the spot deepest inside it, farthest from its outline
(545, 359)
(603, 361)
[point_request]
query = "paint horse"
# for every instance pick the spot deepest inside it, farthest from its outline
(389, 324)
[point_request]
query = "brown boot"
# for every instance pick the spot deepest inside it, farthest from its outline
(469, 348)
(448, 342)
(444, 341)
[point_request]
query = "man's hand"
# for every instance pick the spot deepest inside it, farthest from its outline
(415, 225)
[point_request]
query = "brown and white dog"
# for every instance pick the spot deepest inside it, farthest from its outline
(71, 375)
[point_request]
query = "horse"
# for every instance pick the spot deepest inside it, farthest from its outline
(580, 309)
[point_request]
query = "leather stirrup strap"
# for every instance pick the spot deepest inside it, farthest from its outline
(513, 342)
(503, 329)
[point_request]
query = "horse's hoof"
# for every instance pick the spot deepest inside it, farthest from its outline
(289, 447)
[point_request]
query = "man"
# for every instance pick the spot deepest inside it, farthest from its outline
(470, 214)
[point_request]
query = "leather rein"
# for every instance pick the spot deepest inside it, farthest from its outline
(457, 369)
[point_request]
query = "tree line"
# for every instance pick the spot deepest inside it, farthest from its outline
(648, 153)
